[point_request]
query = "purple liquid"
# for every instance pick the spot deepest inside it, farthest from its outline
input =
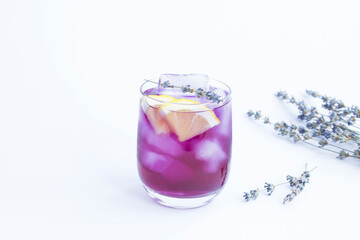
(193, 168)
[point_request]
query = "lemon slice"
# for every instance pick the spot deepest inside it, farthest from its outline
(188, 118)
(150, 105)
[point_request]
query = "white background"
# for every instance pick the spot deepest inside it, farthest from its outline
(70, 73)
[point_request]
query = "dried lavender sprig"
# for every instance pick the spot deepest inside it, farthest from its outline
(316, 136)
(309, 114)
(286, 129)
(329, 129)
(252, 195)
(339, 108)
(344, 153)
(334, 104)
(296, 191)
(199, 92)
(301, 134)
(268, 187)
(297, 185)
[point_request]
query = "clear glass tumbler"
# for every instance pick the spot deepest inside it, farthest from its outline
(184, 142)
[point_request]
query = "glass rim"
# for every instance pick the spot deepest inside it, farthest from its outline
(223, 102)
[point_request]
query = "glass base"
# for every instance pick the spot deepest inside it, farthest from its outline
(180, 203)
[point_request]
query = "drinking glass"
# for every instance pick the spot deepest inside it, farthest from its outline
(184, 146)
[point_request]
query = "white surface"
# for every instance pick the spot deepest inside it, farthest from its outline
(69, 78)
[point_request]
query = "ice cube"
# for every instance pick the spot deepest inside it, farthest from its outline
(211, 153)
(194, 80)
(225, 117)
(154, 161)
(163, 142)
(178, 172)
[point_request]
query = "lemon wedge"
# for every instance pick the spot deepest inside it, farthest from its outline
(188, 118)
(150, 105)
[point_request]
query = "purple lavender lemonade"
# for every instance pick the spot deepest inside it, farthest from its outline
(184, 144)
